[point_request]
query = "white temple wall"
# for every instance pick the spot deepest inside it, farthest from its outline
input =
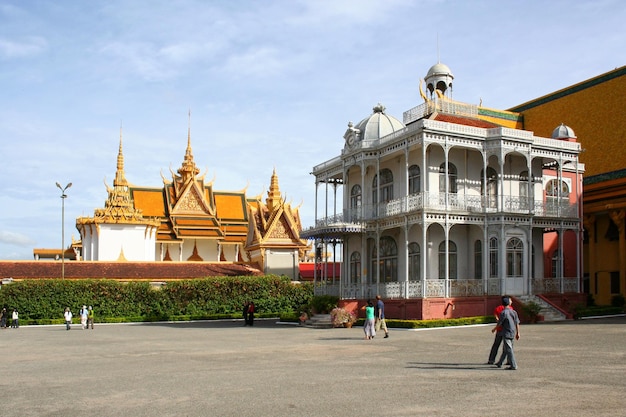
(282, 262)
(115, 239)
(229, 252)
(206, 248)
(150, 243)
(89, 238)
(87, 242)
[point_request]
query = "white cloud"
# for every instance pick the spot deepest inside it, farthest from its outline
(16, 239)
(27, 47)
(260, 61)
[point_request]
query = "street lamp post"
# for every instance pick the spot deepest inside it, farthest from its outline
(63, 197)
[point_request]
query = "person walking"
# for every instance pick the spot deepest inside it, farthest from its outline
(498, 330)
(68, 318)
(246, 305)
(15, 322)
(83, 317)
(368, 327)
(380, 317)
(90, 317)
(3, 318)
(250, 316)
(509, 321)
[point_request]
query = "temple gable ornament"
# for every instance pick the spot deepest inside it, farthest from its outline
(191, 201)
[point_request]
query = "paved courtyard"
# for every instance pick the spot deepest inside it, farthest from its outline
(226, 369)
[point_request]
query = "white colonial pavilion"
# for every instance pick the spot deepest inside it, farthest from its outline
(455, 201)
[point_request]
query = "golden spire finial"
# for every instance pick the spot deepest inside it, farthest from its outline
(188, 169)
(189, 130)
(120, 178)
(273, 195)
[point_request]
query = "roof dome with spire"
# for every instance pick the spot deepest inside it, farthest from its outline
(439, 77)
(439, 69)
(563, 132)
(378, 124)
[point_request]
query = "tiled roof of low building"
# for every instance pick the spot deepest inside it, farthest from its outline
(126, 271)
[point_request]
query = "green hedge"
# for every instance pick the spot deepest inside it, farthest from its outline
(414, 324)
(423, 324)
(43, 301)
(591, 311)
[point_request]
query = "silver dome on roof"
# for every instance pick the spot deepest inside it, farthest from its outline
(378, 124)
(563, 132)
(439, 69)
(440, 78)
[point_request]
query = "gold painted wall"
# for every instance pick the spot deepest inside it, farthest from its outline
(595, 110)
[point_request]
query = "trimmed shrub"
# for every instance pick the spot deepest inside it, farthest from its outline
(43, 301)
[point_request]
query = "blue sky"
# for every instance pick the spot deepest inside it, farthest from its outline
(269, 84)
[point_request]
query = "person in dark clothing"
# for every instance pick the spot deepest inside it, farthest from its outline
(251, 313)
(246, 305)
(509, 321)
(3, 318)
(498, 339)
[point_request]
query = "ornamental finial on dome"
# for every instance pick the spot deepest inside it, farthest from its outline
(379, 108)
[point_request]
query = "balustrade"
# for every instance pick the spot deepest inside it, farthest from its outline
(456, 203)
(436, 288)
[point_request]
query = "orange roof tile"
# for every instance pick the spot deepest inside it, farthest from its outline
(448, 118)
(149, 201)
(231, 206)
(124, 270)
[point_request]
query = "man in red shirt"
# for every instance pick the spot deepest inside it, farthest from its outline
(498, 340)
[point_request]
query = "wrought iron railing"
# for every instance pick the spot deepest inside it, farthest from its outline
(436, 288)
(452, 202)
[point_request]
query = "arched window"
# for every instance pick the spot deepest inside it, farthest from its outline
(355, 268)
(556, 264)
(490, 189)
(414, 262)
(556, 196)
(355, 202)
(452, 255)
(388, 261)
(493, 257)
(386, 187)
(452, 175)
(552, 189)
(514, 257)
(478, 259)
(414, 179)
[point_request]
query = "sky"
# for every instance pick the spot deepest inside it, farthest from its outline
(269, 85)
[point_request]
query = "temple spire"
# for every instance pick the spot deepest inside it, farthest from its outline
(119, 206)
(273, 195)
(120, 177)
(188, 170)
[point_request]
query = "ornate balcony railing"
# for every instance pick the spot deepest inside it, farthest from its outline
(436, 288)
(452, 202)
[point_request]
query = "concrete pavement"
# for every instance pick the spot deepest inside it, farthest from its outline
(226, 369)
